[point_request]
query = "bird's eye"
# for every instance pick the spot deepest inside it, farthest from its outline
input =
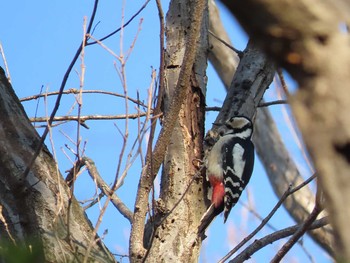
(221, 133)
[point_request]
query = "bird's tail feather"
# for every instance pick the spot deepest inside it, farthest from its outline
(207, 218)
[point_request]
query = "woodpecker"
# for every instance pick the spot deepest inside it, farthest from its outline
(229, 166)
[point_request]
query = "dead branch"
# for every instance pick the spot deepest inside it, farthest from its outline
(116, 201)
(76, 91)
(287, 193)
(297, 235)
(267, 240)
(269, 103)
(124, 25)
(58, 99)
(84, 118)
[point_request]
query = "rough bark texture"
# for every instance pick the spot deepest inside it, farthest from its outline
(35, 207)
(253, 76)
(307, 41)
(174, 238)
(170, 235)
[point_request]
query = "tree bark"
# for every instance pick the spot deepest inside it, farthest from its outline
(35, 207)
(175, 238)
(171, 233)
(307, 41)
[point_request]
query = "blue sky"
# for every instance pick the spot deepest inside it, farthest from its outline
(40, 39)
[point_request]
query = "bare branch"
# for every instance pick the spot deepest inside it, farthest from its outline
(76, 91)
(84, 118)
(58, 99)
(276, 102)
(239, 53)
(287, 193)
(116, 201)
(267, 240)
(282, 81)
(124, 25)
(298, 234)
(2, 52)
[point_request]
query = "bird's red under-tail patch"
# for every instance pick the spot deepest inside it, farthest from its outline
(218, 194)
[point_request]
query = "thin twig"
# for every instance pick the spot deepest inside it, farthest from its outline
(6, 226)
(262, 104)
(239, 53)
(267, 240)
(306, 182)
(276, 102)
(297, 235)
(37, 104)
(262, 224)
(110, 51)
(288, 192)
(76, 91)
(77, 144)
(131, 48)
(84, 118)
(102, 185)
(303, 228)
(212, 108)
(122, 75)
(124, 25)
(283, 82)
(143, 132)
(93, 201)
(58, 99)
(5, 63)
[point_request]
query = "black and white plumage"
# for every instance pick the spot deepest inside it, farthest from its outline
(230, 165)
(238, 160)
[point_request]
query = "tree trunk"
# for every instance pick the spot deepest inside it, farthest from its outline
(35, 212)
(175, 239)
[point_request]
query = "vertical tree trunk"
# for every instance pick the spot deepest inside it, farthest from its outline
(175, 239)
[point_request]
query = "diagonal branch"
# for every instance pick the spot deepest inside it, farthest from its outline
(286, 193)
(116, 201)
(58, 99)
(267, 240)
